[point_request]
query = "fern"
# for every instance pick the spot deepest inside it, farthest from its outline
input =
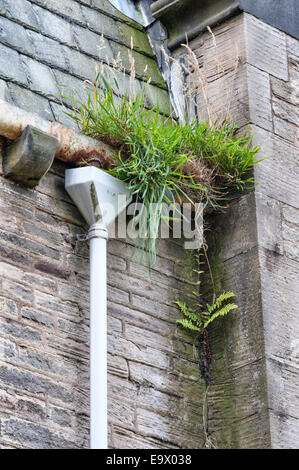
(199, 321)
(194, 317)
(220, 313)
(224, 296)
(188, 324)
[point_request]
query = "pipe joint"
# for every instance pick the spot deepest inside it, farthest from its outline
(97, 231)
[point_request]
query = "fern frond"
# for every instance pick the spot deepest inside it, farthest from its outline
(220, 313)
(219, 301)
(188, 313)
(188, 324)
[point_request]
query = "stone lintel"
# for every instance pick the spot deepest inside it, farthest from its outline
(29, 158)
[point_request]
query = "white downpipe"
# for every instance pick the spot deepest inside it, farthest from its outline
(96, 194)
(98, 337)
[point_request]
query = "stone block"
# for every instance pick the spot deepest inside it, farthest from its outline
(169, 428)
(278, 174)
(293, 46)
(29, 245)
(15, 255)
(283, 386)
(54, 26)
(285, 432)
(30, 157)
(269, 223)
(53, 304)
(290, 233)
(259, 97)
(8, 308)
(290, 214)
(266, 47)
(4, 92)
(117, 365)
(45, 236)
(92, 44)
(30, 101)
(280, 301)
(156, 97)
(68, 8)
(129, 350)
(18, 292)
(70, 86)
(72, 329)
(8, 351)
(49, 51)
(134, 316)
(287, 91)
(38, 318)
(20, 275)
(41, 78)
(127, 439)
(32, 410)
(59, 112)
(291, 250)
(22, 11)
(81, 65)
(146, 68)
(285, 111)
(11, 67)
(15, 36)
(33, 383)
(35, 436)
(284, 129)
(121, 411)
(117, 295)
(20, 332)
(61, 417)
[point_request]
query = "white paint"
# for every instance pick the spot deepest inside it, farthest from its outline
(98, 338)
(96, 195)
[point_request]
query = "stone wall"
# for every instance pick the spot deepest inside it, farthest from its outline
(155, 391)
(254, 245)
(46, 45)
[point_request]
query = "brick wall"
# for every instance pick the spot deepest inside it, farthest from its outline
(155, 391)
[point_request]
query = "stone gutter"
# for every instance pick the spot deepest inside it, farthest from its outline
(22, 164)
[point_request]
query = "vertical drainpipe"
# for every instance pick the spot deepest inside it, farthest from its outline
(96, 194)
(97, 236)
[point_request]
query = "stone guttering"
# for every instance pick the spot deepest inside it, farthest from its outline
(185, 19)
(25, 162)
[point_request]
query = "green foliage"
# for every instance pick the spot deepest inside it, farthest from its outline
(199, 321)
(162, 160)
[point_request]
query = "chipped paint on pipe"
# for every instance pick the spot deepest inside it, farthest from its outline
(73, 147)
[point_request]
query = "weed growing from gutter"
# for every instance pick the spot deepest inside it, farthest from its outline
(161, 160)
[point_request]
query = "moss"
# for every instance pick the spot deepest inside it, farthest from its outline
(140, 39)
(146, 68)
(155, 96)
(106, 7)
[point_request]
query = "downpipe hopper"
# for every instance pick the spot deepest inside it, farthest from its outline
(100, 198)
